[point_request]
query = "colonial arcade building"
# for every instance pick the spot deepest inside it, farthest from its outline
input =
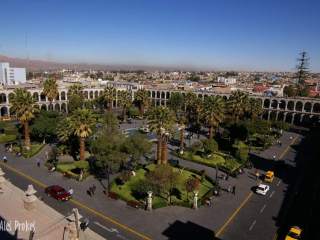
(291, 110)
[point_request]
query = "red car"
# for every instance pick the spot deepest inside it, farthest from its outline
(58, 193)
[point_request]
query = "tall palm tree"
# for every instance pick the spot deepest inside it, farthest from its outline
(176, 103)
(213, 112)
(161, 121)
(125, 101)
(238, 104)
(50, 89)
(79, 124)
(109, 95)
(143, 100)
(255, 108)
(75, 89)
(23, 105)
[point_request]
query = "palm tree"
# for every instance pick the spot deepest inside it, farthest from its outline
(176, 103)
(255, 108)
(125, 101)
(143, 100)
(161, 120)
(109, 95)
(50, 89)
(213, 112)
(79, 124)
(75, 97)
(238, 104)
(23, 104)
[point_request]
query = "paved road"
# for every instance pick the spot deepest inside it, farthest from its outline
(164, 223)
(258, 219)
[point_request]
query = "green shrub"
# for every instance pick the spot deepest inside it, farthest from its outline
(210, 146)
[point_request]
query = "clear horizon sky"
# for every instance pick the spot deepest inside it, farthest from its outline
(208, 34)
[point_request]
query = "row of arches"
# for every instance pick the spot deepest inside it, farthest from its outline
(298, 106)
(290, 117)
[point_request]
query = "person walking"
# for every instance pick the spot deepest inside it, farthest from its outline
(70, 191)
(257, 175)
(229, 188)
(38, 162)
(4, 159)
(234, 190)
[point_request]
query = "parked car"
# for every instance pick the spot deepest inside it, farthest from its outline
(58, 193)
(269, 176)
(262, 189)
(294, 233)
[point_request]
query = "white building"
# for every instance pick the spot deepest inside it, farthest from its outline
(10, 75)
(227, 81)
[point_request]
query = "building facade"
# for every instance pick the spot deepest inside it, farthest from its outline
(291, 110)
(10, 75)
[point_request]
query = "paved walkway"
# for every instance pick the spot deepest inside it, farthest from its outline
(47, 223)
(158, 222)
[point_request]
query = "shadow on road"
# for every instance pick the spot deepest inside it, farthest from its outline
(189, 230)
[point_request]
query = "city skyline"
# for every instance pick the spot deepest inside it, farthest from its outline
(207, 35)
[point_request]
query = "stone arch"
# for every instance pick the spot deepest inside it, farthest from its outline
(307, 107)
(299, 106)
(265, 115)
(163, 95)
(63, 107)
(36, 96)
(316, 108)
(297, 119)
(42, 97)
(282, 104)
(273, 116)
(289, 117)
(43, 107)
(274, 104)
(290, 105)
(158, 94)
(50, 107)
(91, 94)
(57, 107)
(63, 96)
(4, 111)
(96, 94)
(225, 97)
(281, 116)
(101, 92)
(85, 94)
(158, 102)
(153, 94)
(3, 98)
(167, 95)
(266, 103)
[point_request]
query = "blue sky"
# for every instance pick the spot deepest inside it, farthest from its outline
(214, 34)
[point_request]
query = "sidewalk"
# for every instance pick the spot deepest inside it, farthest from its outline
(47, 223)
(156, 222)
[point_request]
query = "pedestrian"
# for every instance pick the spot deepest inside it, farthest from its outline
(38, 162)
(274, 157)
(70, 191)
(229, 188)
(93, 189)
(234, 190)
(5, 159)
(257, 175)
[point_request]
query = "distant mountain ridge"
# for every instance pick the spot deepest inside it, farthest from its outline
(41, 65)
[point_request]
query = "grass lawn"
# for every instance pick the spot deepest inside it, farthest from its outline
(10, 132)
(4, 138)
(34, 149)
(69, 166)
(219, 159)
(124, 191)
